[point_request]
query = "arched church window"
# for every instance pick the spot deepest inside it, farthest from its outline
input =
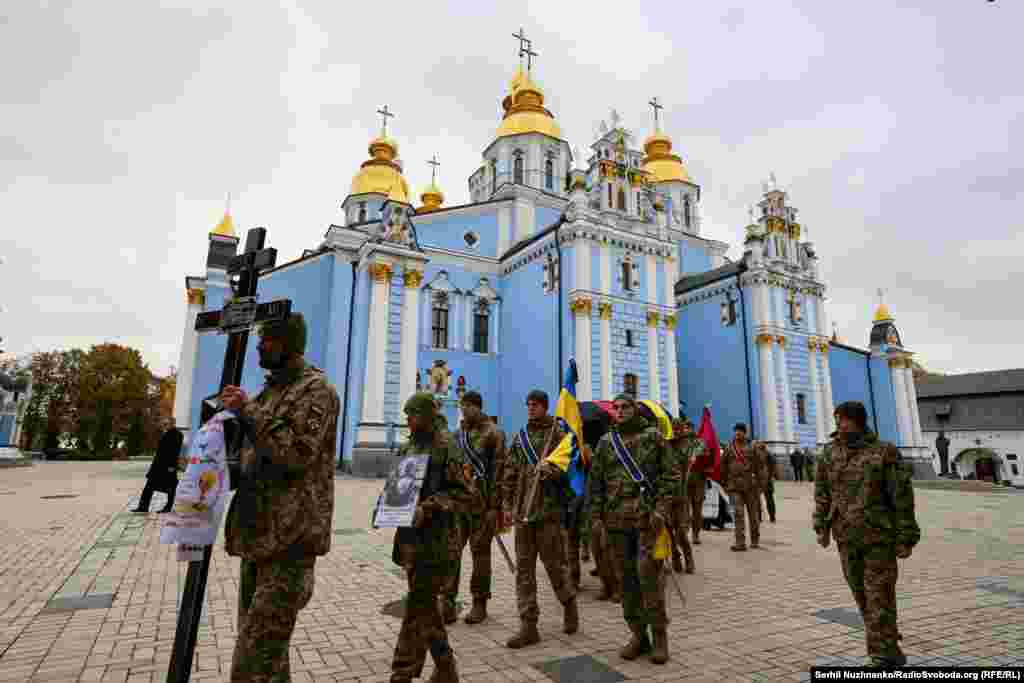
(686, 210)
(801, 409)
(439, 323)
(638, 204)
(622, 199)
(481, 325)
(517, 169)
(494, 176)
(362, 212)
(610, 195)
(627, 276)
(629, 384)
(549, 174)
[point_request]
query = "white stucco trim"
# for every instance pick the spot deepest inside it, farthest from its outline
(504, 229)
(673, 371)
(652, 278)
(606, 358)
(484, 265)
(496, 321)
(583, 361)
(653, 375)
(376, 353)
(826, 387)
(902, 418)
(915, 416)
(469, 302)
(816, 395)
(410, 328)
(768, 400)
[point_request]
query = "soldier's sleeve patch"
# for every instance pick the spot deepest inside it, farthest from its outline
(467, 471)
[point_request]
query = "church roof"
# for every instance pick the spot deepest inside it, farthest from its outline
(972, 384)
(691, 282)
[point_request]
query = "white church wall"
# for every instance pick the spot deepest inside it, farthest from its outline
(1005, 443)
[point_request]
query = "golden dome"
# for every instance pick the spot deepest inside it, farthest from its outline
(381, 174)
(524, 110)
(882, 313)
(226, 227)
(660, 163)
(432, 199)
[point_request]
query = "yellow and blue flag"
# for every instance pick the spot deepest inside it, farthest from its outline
(568, 455)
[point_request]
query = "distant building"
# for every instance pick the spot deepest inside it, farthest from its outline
(982, 416)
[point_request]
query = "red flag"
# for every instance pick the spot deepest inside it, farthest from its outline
(712, 450)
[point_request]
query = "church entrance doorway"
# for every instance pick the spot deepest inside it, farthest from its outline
(982, 464)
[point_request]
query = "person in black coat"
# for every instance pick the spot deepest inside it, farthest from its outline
(163, 473)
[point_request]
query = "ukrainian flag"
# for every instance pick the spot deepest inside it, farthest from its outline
(568, 455)
(663, 418)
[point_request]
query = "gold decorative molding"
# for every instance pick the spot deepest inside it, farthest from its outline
(813, 345)
(897, 363)
(605, 310)
(670, 322)
(195, 296)
(412, 278)
(781, 340)
(581, 305)
(379, 272)
(652, 318)
(764, 339)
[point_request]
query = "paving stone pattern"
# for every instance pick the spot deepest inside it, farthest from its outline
(87, 593)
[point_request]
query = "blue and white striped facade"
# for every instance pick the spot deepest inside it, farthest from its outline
(544, 260)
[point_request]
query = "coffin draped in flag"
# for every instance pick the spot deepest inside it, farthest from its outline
(568, 456)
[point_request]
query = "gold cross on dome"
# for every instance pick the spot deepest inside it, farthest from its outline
(529, 54)
(385, 115)
(523, 41)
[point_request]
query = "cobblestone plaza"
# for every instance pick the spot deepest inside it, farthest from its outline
(88, 594)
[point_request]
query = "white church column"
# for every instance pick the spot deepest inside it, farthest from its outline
(765, 342)
(915, 416)
(504, 228)
(900, 390)
(670, 364)
(466, 321)
(427, 316)
(813, 346)
(653, 374)
(605, 309)
(377, 342)
(410, 329)
(581, 308)
(787, 397)
(194, 300)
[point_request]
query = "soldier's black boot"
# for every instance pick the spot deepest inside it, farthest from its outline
(571, 618)
(528, 635)
(677, 561)
(688, 552)
(659, 653)
(478, 613)
(638, 645)
(445, 670)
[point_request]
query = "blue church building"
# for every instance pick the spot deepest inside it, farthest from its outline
(598, 257)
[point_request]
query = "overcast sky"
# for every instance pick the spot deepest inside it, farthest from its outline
(896, 130)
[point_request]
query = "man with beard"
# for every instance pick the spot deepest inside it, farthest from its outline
(539, 530)
(864, 498)
(688, 448)
(632, 493)
(423, 549)
(281, 515)
(483, 450)
(743, 473)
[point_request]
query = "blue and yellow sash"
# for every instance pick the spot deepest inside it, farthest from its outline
(474, 457)
(528, 449)
(626, 460)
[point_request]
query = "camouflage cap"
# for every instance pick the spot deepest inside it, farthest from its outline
(421, 404)
(628, 398)
(292, 330)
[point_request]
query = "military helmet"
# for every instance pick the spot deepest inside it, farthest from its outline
(291, 330)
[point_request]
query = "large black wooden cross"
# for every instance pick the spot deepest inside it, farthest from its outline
(239, 315)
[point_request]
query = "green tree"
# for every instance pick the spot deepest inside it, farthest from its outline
(103, 433)
(135, 440)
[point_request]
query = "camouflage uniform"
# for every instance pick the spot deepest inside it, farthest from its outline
(423, 551)
(743, 474)
(864, 498)
(633, 529)
(474, 520)
(280, 518)
(611, 588)
(685, 450)
(769, 480)
(542, 533)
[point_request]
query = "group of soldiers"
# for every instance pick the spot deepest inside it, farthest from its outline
(640, 482)
(479, 483)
